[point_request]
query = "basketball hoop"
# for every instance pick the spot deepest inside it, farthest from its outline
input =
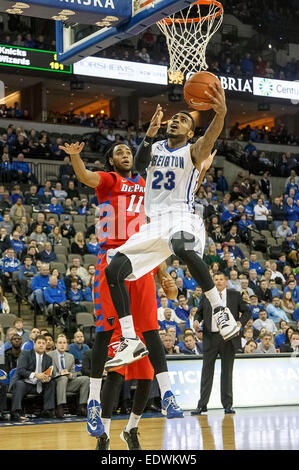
(187, 35)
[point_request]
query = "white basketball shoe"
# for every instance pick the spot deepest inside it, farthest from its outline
(129, 350)
(226, 323)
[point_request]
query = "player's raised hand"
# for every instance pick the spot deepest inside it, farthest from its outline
(217, 97)
(208, 162)
(72, 149)
(155, 123)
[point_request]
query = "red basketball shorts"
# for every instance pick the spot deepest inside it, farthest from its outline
(143, 300)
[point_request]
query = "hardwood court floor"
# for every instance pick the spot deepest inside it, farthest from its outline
(271, 428)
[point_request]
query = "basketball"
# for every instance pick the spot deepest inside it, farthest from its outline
(195, 87)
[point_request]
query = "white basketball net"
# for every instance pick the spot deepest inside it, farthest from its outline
(187, 34)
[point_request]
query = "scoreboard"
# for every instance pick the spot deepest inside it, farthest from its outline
(35, 59)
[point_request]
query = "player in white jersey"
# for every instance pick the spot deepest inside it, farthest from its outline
(173, 168)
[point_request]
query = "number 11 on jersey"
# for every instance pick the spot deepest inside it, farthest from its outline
(136, 210)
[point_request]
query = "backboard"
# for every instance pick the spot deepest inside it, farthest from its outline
(123, 19)
(84, 27)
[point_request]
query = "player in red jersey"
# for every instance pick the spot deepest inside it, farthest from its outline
(120, 195)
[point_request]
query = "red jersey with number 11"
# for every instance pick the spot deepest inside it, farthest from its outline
(121, 204)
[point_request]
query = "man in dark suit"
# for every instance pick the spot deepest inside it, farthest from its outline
(213, 344)
(30, 378)
(190, 345)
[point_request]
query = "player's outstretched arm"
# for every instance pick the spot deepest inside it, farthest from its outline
(202, 148)
(87, 177)
(167, 282)
(144, 154)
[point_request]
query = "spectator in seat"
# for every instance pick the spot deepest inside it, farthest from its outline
(274, 311)
(265, 292)
(75, 295)
(72, 272)
(190, 322)
(67, 230)
(191, 346)
(250, 347)
(78, 347)
(38, 285)
(281, 337)
(22, 170)
(229, 215)
(32, 198)
(4, 305)
(60, 193)
(78, 246)
(66, 174)
(166, 323)
(72, 192)
(28, 379)
(29, 345)
(168, 343)
(183, 309)
(38, 235)
(4, 240)
(54, 295)
(266, 346)
(291, 287)
(247, 335)
(283, 230)
(7, 223)
(83, 209)
(54, 207)
(16, 243)
(245, 290)
(233, 233)
(93, 246)
(81, 271)
(293, 345)
(69, 207)
(265, 184)
(235, 250)
(188, 282)
(17, 211)
(55, 150)
(290, 247)
(260, 215)
(12, 354)
(181, 289)
(40, 220)
(48, 255)
(50, 346)
(277, 213)
(144, 56)
(221, 182)
(176, 267)
(264, 322)
(8, 264)
(164, 306)
(254, 264)
(195, 297)
(69, 381)
(233, 281)
(19, 326)
(26, 272)
(46, 192)
(288, 304)
(55, 237)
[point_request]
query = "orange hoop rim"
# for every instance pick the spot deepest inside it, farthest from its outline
(219, 12)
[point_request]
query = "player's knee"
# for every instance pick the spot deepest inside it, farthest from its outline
(182, 243)
(114, 378)
(119, 268)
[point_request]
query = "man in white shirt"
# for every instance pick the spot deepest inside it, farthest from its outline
(283, 230)
(161, 310)
(31, 377)
(276, 273)
(260, 215)
(233, 281)
(264, 322)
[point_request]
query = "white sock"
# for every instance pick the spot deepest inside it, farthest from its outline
(106, 422)
(127, 327)
(214, 298)
(133, 422)
(94, 389)
(164, 382)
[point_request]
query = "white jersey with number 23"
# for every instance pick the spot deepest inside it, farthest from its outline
(171, 180)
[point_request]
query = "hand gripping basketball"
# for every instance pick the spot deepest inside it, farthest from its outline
(218, 103)
(155, 123)
(72, 149)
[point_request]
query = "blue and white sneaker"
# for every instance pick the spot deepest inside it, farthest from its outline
(170, 408)
(94, 423)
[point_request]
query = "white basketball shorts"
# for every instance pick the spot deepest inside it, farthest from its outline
(151, 246)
